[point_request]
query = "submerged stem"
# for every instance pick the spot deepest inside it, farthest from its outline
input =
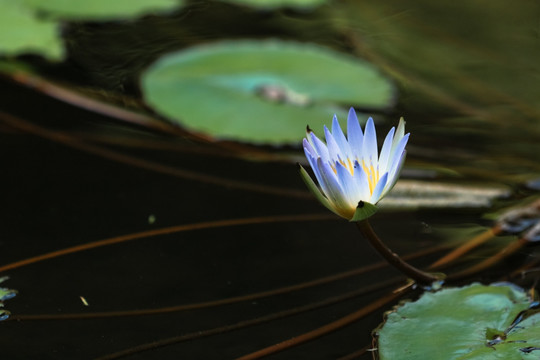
(417, 275)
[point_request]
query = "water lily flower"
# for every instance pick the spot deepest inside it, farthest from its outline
(353, 177)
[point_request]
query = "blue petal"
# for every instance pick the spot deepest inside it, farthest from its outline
(396, 155)
(315, 167)
(369, 149)
(340, 138)
(377, 192)
(335, 192)
(385, 151)
(350, 187)
(308, 148)
(394, 176)
(394, 172)
(354, 134)
(319, 146)
(333, 149)
(312, 159)
(360, 177)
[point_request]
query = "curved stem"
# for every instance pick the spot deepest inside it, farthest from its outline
(417, 275)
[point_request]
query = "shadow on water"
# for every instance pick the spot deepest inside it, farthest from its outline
(177, 247)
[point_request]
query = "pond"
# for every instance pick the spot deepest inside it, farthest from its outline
(131, 232)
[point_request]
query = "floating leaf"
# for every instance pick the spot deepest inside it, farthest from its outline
(271, 4)
(32, 27)
(262, 92)
(474, 322)
(101, 9)
(22, 32)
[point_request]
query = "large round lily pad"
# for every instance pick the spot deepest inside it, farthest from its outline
(100, 9)
(476, 322)
(261, 91)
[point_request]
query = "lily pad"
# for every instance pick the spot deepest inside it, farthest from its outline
(21, 31)
(100, 9)
(477, 322)
(261, 91)
(33, 27)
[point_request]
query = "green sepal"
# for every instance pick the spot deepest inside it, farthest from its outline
(363, 211)
(315, 189)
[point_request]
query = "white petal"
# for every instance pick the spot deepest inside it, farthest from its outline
(354, 134)
(400, 129)
(340, 138)
(396, 155)
(315, 167)
(360, 177)
(400, 133)
(319, 146)
(369, 148)
(335, 191)
(385, 151)
(394, 175)
(333, 149)
(349, 185)
(308, 148)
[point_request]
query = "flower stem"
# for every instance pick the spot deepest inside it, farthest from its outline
(417, 275)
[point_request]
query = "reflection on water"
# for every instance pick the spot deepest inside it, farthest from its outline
(468, 90)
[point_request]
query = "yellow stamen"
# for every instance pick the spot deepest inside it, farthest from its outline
(371, 173)
(348, 165)
(372, 176)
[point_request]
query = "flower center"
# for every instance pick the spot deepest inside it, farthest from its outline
(371, 173)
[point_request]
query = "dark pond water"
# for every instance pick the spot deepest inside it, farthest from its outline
(240, 225)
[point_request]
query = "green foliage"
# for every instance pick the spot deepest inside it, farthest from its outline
(33, 27)
(261, 91)
(100, 9)
(473, 322)
(21, 31)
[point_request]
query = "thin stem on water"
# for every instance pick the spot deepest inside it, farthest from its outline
(393, 259)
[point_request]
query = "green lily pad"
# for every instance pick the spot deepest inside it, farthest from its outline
(33, 27)
(261, 91)
(21, 31)
(272, 4)
(476, 322)
(100, 9)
